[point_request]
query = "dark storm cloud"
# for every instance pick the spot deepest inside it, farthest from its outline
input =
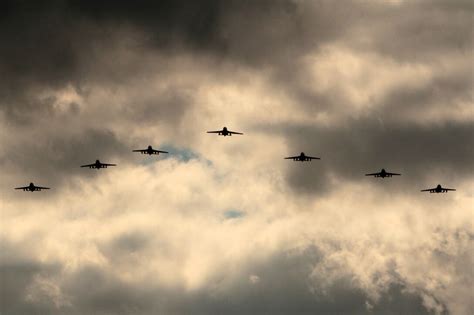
(194, 23)
(276, 33)
(56, 44)
(51, 43)
(368, 145)
(40, 48)
(44, 41)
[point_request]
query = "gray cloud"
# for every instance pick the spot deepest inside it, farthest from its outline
(17, 272)
(284, 288)
(65, 43)
(444, 92)
(55, 45)
(368, 145)
(414, 31)
(54, 160)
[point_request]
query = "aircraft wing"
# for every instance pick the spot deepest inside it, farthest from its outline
(393, 174)
(373, 174)
(450, 189)
(39, 188)
(292, 157)
(26, 187)
(141, 151)
(235, 133)
(431, 189)
(217, 131)
(88, 165)
(107, 164)
(159, 151)
(312, 157)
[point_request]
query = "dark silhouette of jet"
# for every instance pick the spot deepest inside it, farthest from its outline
(98, 165)
(383, 174)
(438, 189)
(302, 157)
(225, 132)
(150, 151)
(31, 187)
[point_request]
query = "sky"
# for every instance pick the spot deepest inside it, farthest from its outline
(225, 225)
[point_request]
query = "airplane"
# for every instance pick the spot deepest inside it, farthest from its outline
(98, 165)
(225, 132)
(438, 189)
(150, 151)
(302, 157)
(383, 174)
(31, 187)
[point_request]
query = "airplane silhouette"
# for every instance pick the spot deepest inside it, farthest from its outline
(225, 132)
(150, 151)
(438, 189)
(383, 174)
(31, 187)
(302, 157)
(98, 165)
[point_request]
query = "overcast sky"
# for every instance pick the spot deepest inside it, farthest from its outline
(226, 225)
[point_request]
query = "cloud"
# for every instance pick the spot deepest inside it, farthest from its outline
(226, 225)
(18, 272)
(308, 256)
(366, 145)
(93, 288)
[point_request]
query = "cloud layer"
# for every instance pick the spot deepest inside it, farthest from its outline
(225, 225)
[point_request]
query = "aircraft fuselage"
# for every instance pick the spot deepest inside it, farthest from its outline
(440, 189)
(225, 132)
(383, 174)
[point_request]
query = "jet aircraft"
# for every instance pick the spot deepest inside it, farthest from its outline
(383, 174)
(225, 132)
(302, 157)
(150, 151)
(98, 165)
(31, 187)
(438, 189)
